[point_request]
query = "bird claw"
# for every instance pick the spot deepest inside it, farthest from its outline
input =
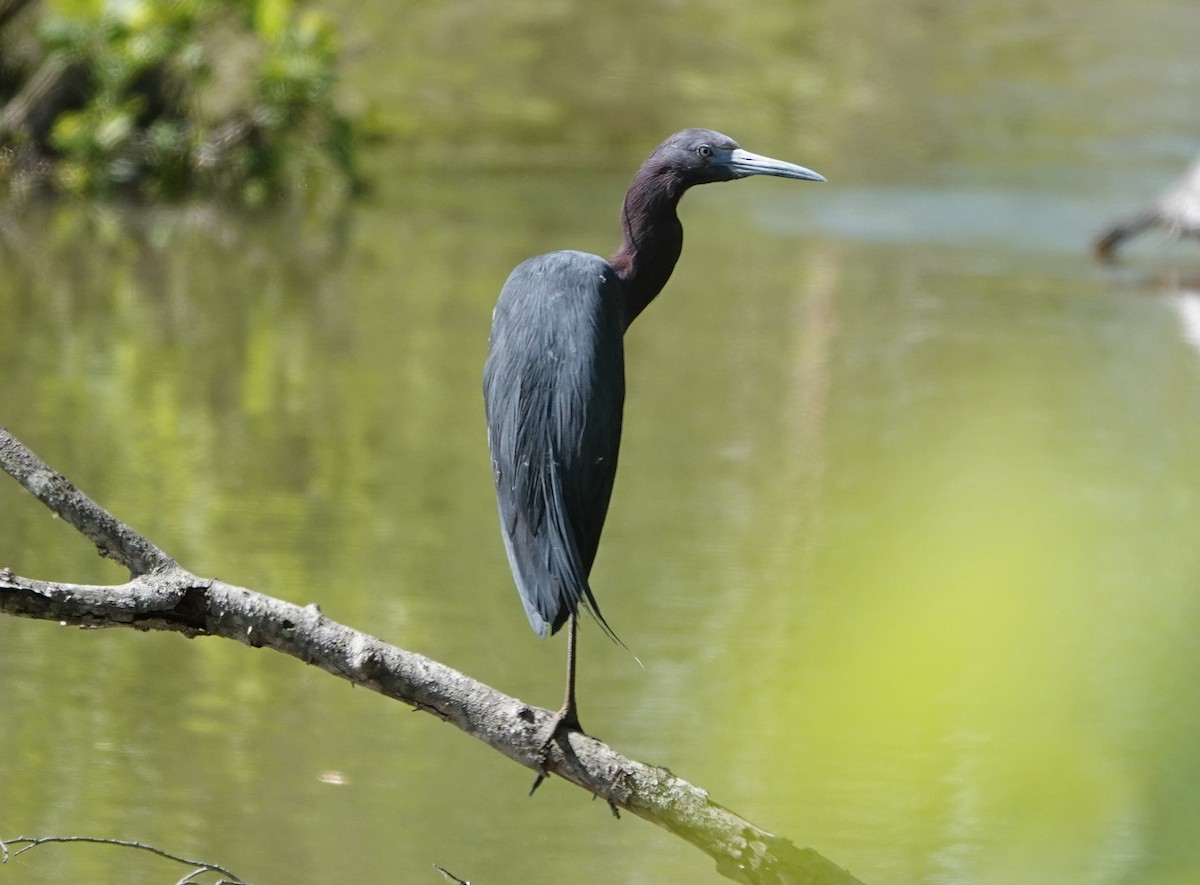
(565, 721)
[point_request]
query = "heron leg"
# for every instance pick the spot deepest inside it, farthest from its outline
(566, 719)
(568, 716)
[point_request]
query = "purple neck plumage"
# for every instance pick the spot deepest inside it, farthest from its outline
(653, 236)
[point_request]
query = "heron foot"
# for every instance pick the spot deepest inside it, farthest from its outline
(565, 721)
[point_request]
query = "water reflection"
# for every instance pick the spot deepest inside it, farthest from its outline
(904, 527)
(1186, 303)
(924, 526)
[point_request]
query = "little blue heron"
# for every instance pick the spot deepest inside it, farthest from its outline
(554, 383)
(1177, 212)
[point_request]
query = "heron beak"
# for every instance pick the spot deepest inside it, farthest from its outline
(743, 164)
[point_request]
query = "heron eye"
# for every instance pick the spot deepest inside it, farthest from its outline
(705, 151)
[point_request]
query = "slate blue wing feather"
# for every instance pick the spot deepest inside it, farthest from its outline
(554, 390)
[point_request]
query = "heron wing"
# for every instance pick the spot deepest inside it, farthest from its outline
(554, 389)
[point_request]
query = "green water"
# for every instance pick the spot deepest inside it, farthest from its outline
(904, 533)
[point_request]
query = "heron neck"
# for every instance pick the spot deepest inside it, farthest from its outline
(652, 237)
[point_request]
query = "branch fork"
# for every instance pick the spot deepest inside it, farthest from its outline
(161, 595)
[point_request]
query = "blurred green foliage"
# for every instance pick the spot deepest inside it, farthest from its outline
(167, 98)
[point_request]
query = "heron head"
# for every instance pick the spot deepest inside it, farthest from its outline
(699, 156)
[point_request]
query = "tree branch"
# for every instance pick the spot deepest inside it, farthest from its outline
(112, 537)
(164, 596)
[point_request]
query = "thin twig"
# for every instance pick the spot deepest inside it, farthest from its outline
(200, 865)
